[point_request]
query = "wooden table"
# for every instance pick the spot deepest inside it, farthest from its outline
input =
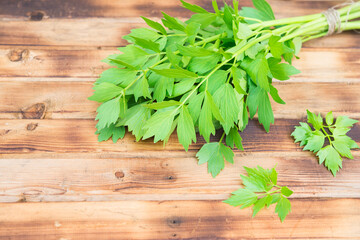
(58, 182)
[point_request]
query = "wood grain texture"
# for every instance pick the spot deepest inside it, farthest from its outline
(106, 32)
(126, 176)
(68, 99)
(128, 8)
(58, 182)
(310, 219)
(316, 64)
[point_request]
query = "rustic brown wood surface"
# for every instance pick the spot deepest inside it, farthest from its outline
(58, 182)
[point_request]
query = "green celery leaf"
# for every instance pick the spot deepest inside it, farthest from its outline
(164, 104)
(342, 147)
(351, 143)
(192, 30)
(122, 77)
(234, 138)
(253, 13)
(194, 51)
(105, 91)
(316, 121)
(173, 58)
(162, 86)
(254, 50)
(331, 158)
(185, 128)
(281, 71)
(315, 141)
(202, 65)
(244, 32)
(258, 99)
(193, 8)
(195, 106)
(159, 125)
(301, 133)
(265, 8)
(135, 118)
(273, 176)
(275, 95)
(141, 89)
(172, 23)
(112, 130)
(205, 19)
(254, 184)
(147, 44)
(214, 154)
(132, 56)
(286, 191)
(260, 204)
(108, 113)
(283, 208)
(228, 18)
(239, 81)
(144, 33)
(155, 25)
(329, 118)
(242, 197)
(183, 86)
(208, 110)
(344, 121)
(225, 99)
(216, 80)
(258, 70)
(277, 48)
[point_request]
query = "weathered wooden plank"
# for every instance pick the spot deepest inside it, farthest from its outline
(68, 99)
(166, 177)
(310, 219)
(316, 64)
(36, 10)
(106, 32)
(29, 136)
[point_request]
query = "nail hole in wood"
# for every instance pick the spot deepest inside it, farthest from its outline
(36, 15)
(173, 221)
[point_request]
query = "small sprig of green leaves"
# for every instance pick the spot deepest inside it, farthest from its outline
(261, 190)
(313, 139)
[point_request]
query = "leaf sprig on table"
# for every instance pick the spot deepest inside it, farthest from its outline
(261, 190)
(210, 72)
(313, 139)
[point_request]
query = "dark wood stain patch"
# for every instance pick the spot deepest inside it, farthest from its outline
(36, 9)
(36, 111)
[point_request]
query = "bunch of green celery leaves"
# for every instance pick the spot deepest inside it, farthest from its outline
(211, 72)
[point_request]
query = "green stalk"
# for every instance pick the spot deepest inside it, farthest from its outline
(327, 135)
(322, 26)
(302, 19)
